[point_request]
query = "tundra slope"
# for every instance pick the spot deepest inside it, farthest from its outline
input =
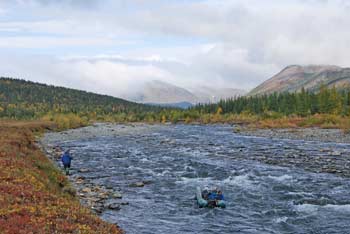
(295, 77)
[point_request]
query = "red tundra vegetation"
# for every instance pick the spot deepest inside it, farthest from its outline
(35, 197)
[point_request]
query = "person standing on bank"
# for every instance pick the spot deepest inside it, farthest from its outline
(66, 160)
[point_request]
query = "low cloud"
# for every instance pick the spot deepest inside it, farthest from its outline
(114, 46)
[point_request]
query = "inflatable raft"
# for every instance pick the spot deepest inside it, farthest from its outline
(204, 203)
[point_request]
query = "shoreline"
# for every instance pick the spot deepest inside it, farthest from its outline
(92, 196)
(305, 134)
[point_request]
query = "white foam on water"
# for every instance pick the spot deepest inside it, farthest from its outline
(131, 167)
(187, 167)
(341, 208)
(281, 219)
(163, 173)
(144, 160)
(300, 193)
(307, 208)
(197, 181)
(281, 178)
(241, 180)
(167, 158)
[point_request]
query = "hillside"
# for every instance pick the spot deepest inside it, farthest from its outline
(159, 92)
(21, 99)
(294, 78)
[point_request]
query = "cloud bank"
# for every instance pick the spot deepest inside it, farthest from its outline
(114, 47)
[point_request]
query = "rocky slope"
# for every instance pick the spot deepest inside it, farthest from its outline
(294, 78)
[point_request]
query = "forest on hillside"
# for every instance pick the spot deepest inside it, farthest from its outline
(23, 100)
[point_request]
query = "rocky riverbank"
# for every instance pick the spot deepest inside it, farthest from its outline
(306, 134)
(97, 197)
(327, 160)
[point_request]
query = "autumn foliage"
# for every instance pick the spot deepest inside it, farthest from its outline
(34, 195)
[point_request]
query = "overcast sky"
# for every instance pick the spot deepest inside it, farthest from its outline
(113, 46)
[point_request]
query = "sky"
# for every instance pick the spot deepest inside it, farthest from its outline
(115, 46)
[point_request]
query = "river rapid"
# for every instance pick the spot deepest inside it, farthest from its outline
(172, 160)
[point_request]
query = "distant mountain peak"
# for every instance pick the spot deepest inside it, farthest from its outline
(294, 77)
(160, 92)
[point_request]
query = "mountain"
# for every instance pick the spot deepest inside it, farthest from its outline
(294, 78)
(159, 92)
(26, 99)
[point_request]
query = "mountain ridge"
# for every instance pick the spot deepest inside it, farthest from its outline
(295, 77)
(160, 92)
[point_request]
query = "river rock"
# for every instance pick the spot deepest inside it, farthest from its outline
(117, 195)
(86, 190)
(103, 195)
(124, 203)
(83, 170)
(336, 153)
(97, 209)
(137, 184)
(113, 206)
(145, 182)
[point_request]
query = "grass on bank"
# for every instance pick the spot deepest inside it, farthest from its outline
(266, 120)
(35, 196)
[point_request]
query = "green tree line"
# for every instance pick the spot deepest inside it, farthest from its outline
(303, 103)
(21, 99)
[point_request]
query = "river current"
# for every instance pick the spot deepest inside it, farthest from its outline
(173, 160)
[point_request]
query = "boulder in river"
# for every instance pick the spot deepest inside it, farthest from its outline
(137, 184)
(86, 190)
(117, 195)
(113, 206)
(336, 153)
(83, 170)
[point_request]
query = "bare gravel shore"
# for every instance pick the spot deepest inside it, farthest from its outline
(307, 134)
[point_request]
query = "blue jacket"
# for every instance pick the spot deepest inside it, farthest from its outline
(220, 197)
(212, 196)
(66, 158)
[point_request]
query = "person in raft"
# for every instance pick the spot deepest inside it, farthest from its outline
(66, 160)
(212, 196)
(219, 195)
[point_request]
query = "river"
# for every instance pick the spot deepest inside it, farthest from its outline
(174, 159)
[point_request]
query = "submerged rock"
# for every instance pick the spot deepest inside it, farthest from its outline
(117, 195)
(137, 184)
(336, 153)
(113, 206)
(86, 190)
(83, 170)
